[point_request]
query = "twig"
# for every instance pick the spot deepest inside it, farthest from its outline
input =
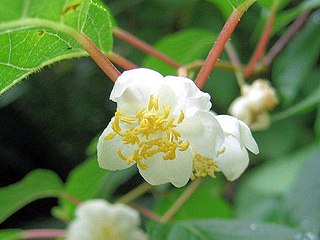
(143, 46)
(262, 44)
(222, 39)
(285, 38)
(135, 193)
(43, 233)
(121, 61)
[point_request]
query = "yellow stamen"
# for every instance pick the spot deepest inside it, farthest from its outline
(152, 130)
(203, 166)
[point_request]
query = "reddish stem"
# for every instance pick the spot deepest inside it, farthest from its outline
(121, 61)
(233, 55)
(101, 60)
(282, 42)
(222, 39)
(147, 213)
(134, 41)
(43, 233)
(261, 47)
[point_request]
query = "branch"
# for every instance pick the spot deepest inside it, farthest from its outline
(285, 38)
(143, 46)
(222, 39)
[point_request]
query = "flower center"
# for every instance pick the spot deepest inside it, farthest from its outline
(203, 166)
(152, 130)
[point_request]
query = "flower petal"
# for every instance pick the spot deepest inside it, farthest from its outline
(239, 130)
(177, 171)
(188, 94)
(134, 87)
(234, 160)
(203, 131)
(107, 151)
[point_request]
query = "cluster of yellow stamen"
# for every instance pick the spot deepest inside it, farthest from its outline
(203, 166)
(152, 130)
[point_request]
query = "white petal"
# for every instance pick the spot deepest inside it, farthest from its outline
(234, 160)
(134, 88)
(107, 151)
(188, 94)
(239, 130)
(125, 217)
(203, 132)
(177, 171)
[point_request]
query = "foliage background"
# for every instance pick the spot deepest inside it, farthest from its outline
(49, 120)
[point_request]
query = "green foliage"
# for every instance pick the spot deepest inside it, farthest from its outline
(293, 67)
(205, 202)
(10, 234)
(34, 35)
(222, 230)
(37, 184)
(88, 181)
(303, 200)
(186, 52)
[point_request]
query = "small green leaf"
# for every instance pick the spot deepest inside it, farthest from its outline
(88, 181)
(209, 194)
(303, 199)
(182, 48)
(224, 6)
(222, 230)
(293, 66)
(34, 34)
(317, 124)
(37, 184)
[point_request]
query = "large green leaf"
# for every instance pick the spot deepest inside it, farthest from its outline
(11, 234)
(182, 48)
(88, 181)
(292, 68)
(303, 199)
(269, 184)
(37, 184)
(209, 194)
(36, 33)
(222, 230)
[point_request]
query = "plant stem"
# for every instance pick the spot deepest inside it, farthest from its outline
(181, 200)
(143, 46)
(147, 213)
(70, 198)
(101, 60)
(282, 42)
(43, 233)
(121, 61)
(262, 44)
(135, 193)
(222, 39)
(236, 62)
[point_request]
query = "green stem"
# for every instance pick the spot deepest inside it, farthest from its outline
(222, 39)
(101, 60)
(181, 200)
(135, 193)
(70, 198)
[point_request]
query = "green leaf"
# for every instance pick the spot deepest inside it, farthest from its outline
(209, 194)
(11, 234)
(224, 6)
(317, 124)
(269, 3)
(37, 184)
(269, 184)
(292, 67)
(303, 199)
(222, 230)
(180, 47)
(88, 181)
(306, 105)
(34, 34)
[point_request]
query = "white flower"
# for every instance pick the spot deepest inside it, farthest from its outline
(100, 220)
(164, 125)
(238, 138)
